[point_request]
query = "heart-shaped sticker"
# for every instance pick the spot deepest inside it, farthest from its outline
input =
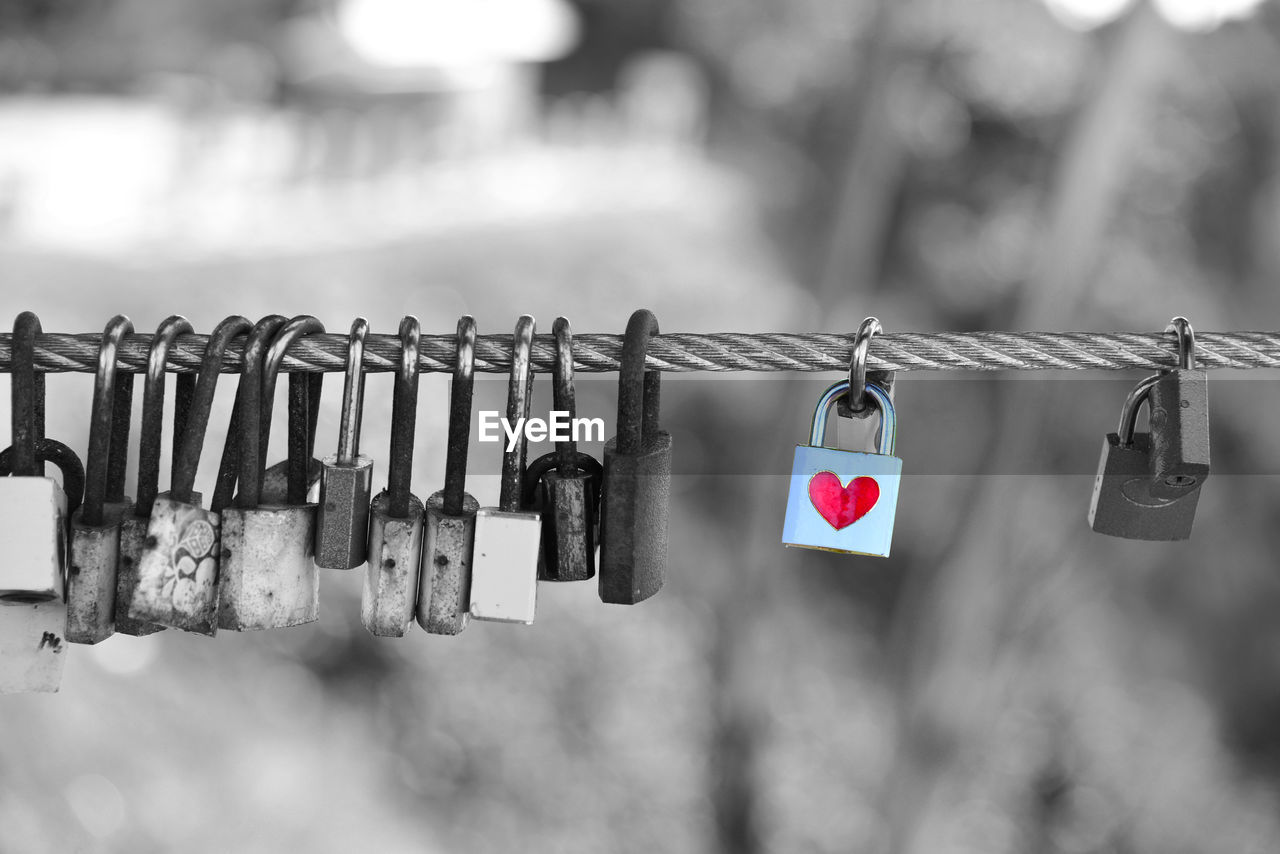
(840, 505)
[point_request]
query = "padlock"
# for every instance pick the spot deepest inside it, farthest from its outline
(95, 526)
(33, 627)
(564, 485)
(844, 501)
(504, 565)
(177, 582)
(133, 525)
(444, 581)
(636, 493)
(1148, 484)
(346, 482)
(32, 507)
(268, 578)
(395, 528)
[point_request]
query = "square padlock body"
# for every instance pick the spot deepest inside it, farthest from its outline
(342, 520)
(91, 575)
(1179, 403)
(268, 579)
(177, 583)
(504, 566)
(33, 516)
(33, 647)
(444, 583)
(1123, 505)
(568, 506)
(634, 515)
(391, 574)
(870, 534)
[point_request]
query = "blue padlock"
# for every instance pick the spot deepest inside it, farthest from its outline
(844, 501)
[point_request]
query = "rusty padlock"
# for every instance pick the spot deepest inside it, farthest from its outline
(346, 482)
(268, 578)
(33, 629)
(564, 485)
(444, 583)
(95, 526)
(395, 530)
(178, 571)
(637, 479)
(504, 565)
(133, 526)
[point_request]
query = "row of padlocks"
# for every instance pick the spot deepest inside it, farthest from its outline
(85, 561)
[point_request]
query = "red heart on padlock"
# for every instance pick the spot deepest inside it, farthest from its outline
(840, 505)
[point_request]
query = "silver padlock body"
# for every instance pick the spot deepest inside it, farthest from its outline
(504, 566)
(91, 576)
(178, 572)
(33, 516)
(1122, 504)
(444, 584)
(32, 647)
(391, 575)
(633, 520)
(568, 527)
(133, 539)
(1179, 433)
(342, 522)
(268, 579)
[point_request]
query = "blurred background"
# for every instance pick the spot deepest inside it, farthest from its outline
(1006, 682)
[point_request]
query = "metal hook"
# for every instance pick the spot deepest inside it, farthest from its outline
(1186, 342)
(27, 412)
(104, 421)
(353, 395)
(563, 396)
(455, 465)
(857, 397)
(404, 419)
(152, 431)
(304, 398)
(517, 409)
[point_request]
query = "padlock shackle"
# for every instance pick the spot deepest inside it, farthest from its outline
(460, 396)
(104, 419)
(303, 413)
(404, 420)
(248, 412)
(151, 434)
(53, 451)
(563, 396)
(352, 395)
(1186, 342)
(877, 396)
(638, 390)
(856, 398)
(1129, 411)
(187, 459)
(519, 387)
(26, 397)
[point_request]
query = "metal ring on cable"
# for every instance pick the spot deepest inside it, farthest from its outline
(1186, 342)
(858, 364)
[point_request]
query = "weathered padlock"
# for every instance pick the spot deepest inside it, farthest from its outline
(32, 506)
(444, 581)
(134, 524)
(564, 485)
(95, 526)
(635, 498)
(844, 501)
(177, 575)
(346, 482)
(33, 628)
(395, 529)
(268, 578)
(504, 566)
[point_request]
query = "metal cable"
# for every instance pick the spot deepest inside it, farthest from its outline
(717, 351)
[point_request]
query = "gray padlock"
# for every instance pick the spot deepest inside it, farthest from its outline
(637, 479)
(133, 525)
(33, 508)
(33, 628)
(564, 485)
(177, 576)
(395, 530)
(1179, 403)
(346, 483)
(504, 566)
(444, 582)
(95, 526)
(268, 576)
